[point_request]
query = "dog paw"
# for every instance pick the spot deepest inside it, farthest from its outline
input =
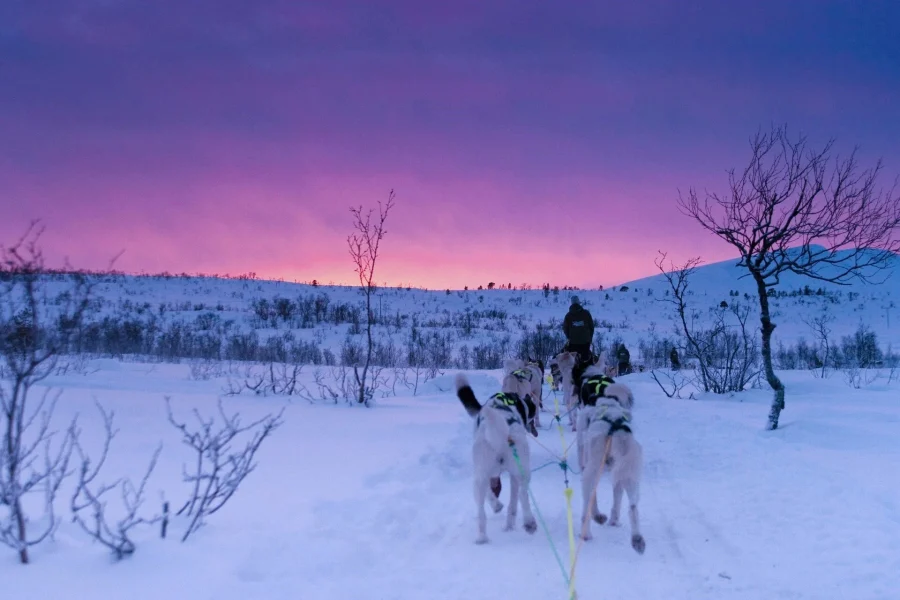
(600, 519)
(614, 522)
(481, 539)
(587, 536)
(530, 526)
(637, 542)
(497, 507)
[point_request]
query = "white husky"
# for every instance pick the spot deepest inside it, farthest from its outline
(570, 369)
(500, 429)
(529, 381)
(605, 441)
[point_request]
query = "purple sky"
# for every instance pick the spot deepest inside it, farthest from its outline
(526, 142)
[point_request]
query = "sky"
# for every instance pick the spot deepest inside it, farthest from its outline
(526, 141)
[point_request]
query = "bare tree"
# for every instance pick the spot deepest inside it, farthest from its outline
(732, 353)
(276, 379)
(90, 498)
(678, 278)
(364, 245)
(821, 328)
(795, 209)
(340, 387)
(204, 369)
(671, 382)
(35, 330)
(893, 364)
(724, 353)
(861, 357)
(219, 469)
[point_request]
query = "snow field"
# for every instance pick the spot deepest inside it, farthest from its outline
(351, 503)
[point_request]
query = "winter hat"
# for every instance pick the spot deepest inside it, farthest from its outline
(575, 300)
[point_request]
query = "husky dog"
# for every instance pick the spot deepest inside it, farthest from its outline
(520, 378)
(556, 385)
(605, 440)
(500, 429)
(571, 369)
(526, 378)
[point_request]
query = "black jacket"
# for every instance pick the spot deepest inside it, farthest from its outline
(579, 325)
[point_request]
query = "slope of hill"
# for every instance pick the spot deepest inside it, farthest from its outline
(724, 276)
(176, 318)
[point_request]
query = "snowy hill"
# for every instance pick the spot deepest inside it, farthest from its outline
(176, 318)
(723, 276)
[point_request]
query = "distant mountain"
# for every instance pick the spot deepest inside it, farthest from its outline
(721, 277)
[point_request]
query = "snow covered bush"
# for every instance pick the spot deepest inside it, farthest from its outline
(89, 502)
(219, 466)
(35, 329)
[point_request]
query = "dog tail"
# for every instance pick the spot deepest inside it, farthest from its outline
(467, 396)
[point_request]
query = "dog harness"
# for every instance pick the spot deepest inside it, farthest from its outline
(620, 424)
(594, 387)
(511, 403)
(522, 375)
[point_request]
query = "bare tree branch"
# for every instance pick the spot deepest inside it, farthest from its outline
(86, 498)
(674, 382)
(219, 469)
(35, 330)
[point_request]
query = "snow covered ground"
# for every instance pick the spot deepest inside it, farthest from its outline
(354, 503)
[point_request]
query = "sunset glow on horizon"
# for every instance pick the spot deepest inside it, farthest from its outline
(526, 142)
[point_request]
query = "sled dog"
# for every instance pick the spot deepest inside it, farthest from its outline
(571, 369)
(606, 442)
(500, 431)
(529, 381)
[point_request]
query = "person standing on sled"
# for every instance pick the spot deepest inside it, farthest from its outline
(579, 329)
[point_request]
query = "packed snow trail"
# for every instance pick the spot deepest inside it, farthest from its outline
(720, 500)
(351, 503)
